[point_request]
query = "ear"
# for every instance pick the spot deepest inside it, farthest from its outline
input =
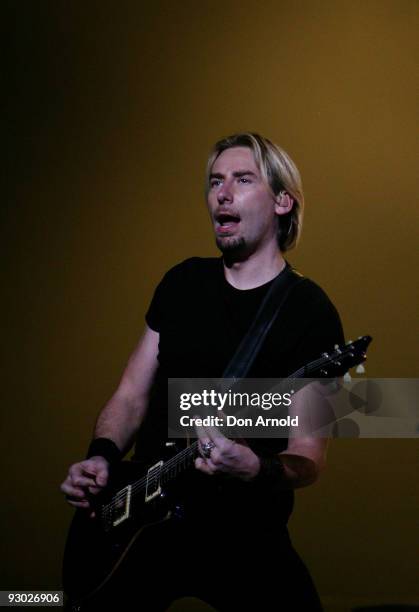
(283, 203)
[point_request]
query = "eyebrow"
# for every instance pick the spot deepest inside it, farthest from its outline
(236, 174)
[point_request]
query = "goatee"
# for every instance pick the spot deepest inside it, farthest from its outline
(231, 245)
(235, 249)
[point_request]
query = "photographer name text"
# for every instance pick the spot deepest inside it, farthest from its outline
(233, 421)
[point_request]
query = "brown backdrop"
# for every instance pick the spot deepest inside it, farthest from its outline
(111, 110)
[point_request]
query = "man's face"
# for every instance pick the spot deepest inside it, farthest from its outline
(241, 206)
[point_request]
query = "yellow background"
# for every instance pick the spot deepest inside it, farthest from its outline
(111, 109)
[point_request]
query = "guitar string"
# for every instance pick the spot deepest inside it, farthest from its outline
(137, 488)
(180, 457)
(145, 480)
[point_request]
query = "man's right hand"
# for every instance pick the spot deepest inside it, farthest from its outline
(84, 479)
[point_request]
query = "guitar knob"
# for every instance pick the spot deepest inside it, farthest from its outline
(178, 512)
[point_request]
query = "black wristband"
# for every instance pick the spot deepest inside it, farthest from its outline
(271, 471)
(104, 447)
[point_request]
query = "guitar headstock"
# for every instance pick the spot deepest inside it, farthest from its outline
(340, 360)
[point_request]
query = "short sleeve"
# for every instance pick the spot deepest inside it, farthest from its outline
(165, 293)
(154, 314)
(323, 330)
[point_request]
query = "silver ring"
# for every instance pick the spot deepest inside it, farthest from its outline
(207, 448)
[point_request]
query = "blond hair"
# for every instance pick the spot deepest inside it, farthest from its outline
(279, 173)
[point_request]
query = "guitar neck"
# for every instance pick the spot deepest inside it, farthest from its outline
(185, 458)
(328, 365)
(180, 462)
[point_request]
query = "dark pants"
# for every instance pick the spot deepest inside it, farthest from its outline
(230, 573)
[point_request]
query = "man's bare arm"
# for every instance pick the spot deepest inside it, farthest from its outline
(305, 455)
(119, 421)
(300, 464)
(124, 412)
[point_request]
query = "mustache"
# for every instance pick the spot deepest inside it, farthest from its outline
(226, 214)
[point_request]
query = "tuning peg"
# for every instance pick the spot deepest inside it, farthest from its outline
(360, 369)
(347, 378)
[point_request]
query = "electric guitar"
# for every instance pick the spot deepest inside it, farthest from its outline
(137, 498)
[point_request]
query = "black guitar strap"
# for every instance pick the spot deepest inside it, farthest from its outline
(246, 353)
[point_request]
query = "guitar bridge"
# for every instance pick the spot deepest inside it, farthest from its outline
(122, 506)
(153, 486)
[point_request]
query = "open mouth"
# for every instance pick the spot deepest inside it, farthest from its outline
(226, 222)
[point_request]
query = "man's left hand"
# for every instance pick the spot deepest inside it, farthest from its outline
(232, 457)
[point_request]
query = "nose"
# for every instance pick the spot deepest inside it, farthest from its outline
(225, 193)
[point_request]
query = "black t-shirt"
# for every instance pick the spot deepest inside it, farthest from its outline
(201, 320)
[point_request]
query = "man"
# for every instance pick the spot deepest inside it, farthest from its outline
(232, 547)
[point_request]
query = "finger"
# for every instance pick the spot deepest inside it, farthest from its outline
(73, 491)
(222, 444)
(203, 439)
(97, 474)
(102, 477)
(203, 466)
(215, 458)
(200, 432)
(78, 504)
(233, 429)
(213, 467)
(82, 481)
(210, 467)
(215, 435)
(83, 467)
(84, 504)
(204, 451)
(95, 490)
(90, 469)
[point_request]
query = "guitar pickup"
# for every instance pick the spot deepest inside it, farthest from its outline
(122, 505)
(153, 486)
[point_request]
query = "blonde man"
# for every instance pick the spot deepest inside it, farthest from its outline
(232, 547)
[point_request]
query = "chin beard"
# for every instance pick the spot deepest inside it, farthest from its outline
(231, 243)
(233, 248)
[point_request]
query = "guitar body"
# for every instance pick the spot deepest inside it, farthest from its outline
(98, 547)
